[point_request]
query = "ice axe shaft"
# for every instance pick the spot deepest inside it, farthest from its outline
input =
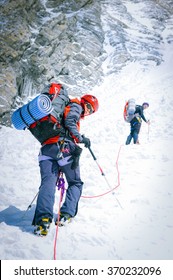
(96, 161)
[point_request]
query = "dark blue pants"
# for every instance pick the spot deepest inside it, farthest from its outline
(131, 136)
(135, 125)
(50, 166)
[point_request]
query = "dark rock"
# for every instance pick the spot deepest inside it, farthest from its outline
(67, 40)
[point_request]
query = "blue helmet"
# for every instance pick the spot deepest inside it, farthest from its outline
(145, 103)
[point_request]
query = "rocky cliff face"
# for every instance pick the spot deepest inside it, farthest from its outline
(46, 40)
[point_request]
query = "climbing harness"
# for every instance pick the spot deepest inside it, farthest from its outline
(61, 184)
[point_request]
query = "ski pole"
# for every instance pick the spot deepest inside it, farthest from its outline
(148, 132)
(102, 173)
(29, 206)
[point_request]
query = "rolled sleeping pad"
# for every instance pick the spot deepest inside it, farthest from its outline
(36, 109)
(131, 107)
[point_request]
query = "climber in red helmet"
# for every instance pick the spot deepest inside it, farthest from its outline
(62, 153)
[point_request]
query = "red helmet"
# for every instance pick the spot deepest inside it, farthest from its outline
(92, 100)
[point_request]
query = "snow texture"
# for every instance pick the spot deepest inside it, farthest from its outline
(134, 220)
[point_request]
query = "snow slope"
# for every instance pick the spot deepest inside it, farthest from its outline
(130, 213)
(142, 227)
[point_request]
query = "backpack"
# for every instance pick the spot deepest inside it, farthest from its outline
(129, 110)
(51, 125)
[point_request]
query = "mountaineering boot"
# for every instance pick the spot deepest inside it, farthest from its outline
(43, 228)
(64, 219)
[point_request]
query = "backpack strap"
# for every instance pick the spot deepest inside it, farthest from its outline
(54, 90)
(20, 113)
(75, 100)
(29, 112)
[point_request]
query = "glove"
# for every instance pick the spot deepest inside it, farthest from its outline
(86, 141)
(75, 156)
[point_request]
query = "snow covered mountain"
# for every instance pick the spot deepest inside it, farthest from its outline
(134, 219)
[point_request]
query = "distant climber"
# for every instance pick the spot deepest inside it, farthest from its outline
(135, 123)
